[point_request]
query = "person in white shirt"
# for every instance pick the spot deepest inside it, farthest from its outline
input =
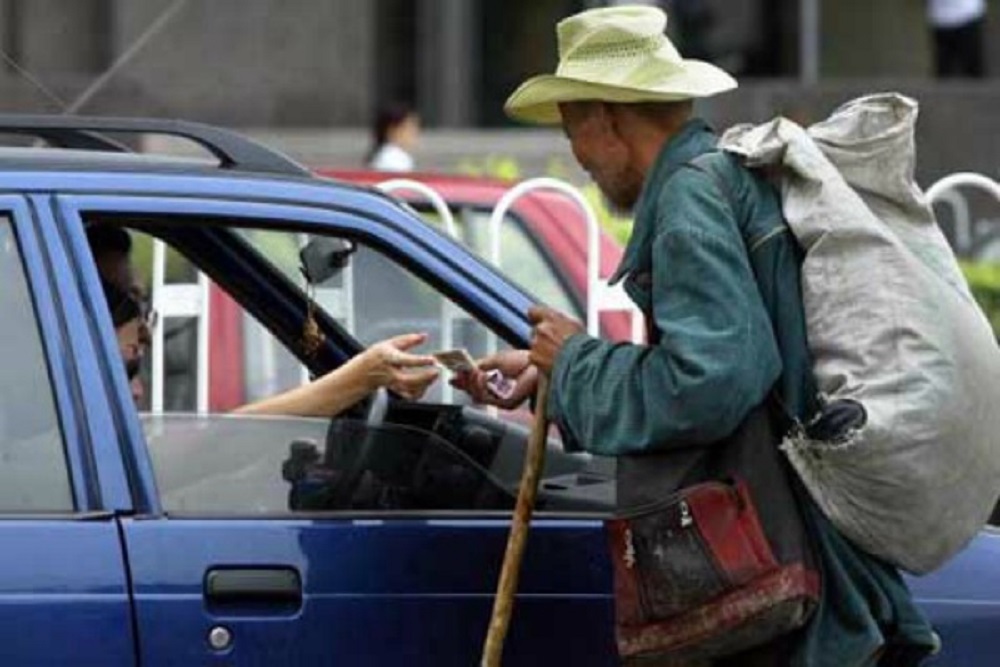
(957, 29)
(395, 134)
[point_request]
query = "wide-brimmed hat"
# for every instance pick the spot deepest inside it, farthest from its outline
(615, 54)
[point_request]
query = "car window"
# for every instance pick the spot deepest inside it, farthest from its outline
(177, 321)
(34, 475)
(374, 298)
(437, 454)
(229, 464)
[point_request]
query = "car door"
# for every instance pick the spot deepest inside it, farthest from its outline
(64, 596)
(962, 601)
(230, 562)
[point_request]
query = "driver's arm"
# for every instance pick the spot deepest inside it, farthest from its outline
(384, 364)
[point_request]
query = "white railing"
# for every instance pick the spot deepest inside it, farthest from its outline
(946, 190)
(191, 300)
(601, 297)
(178, 300)
(432, 195)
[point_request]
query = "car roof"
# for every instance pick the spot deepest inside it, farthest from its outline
(47, 158)
(233, 151)
(464, 181)
(85, 154)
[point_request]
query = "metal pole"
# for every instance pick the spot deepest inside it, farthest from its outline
(154, 28)
(809, 41)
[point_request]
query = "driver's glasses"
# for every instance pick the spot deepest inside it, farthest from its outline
(132, 367)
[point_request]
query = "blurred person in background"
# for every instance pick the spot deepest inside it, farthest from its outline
(394, 136)
(957, 29)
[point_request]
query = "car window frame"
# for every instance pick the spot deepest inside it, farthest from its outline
(94, 480)
(438, 269)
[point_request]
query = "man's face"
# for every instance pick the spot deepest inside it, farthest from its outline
(599, 148)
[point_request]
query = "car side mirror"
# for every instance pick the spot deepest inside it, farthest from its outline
(324, 257)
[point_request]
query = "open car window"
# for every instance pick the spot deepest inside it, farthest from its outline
(373, 298)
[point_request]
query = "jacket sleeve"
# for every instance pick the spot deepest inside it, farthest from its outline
(716, 359)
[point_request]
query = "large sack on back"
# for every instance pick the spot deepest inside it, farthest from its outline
(892, 325)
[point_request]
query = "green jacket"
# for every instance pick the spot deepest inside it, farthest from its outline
(732, 327)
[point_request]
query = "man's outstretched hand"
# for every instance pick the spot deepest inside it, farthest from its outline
(513, 364)
(551, 330)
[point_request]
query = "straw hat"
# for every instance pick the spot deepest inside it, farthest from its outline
(615, 54)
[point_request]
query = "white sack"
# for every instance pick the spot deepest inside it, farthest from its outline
(892, 325)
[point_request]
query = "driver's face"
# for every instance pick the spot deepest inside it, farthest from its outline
(117, 269)
(131, 347)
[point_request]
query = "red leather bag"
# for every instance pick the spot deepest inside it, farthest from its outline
(722, 564)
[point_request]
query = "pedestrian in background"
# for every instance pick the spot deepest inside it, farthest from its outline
(957, 30)
(726, 323)
(394, 137)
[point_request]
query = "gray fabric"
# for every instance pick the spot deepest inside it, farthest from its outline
(892, 325)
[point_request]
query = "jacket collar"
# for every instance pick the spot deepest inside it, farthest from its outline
(694, 138)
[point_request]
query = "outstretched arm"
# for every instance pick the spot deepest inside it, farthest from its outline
(384, 364)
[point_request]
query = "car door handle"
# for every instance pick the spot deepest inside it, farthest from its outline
(253, 585)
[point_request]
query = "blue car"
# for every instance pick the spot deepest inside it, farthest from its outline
(173, 537)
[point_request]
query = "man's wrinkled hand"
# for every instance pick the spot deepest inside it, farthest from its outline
(551, 330)
(513, 364)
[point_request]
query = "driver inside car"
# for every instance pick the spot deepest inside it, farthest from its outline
(127, 317)
(387, 363)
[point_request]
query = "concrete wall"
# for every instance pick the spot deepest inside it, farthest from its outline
(872, 39)
(235, 62)
(958, 127)
(253, 61)
(317, 62)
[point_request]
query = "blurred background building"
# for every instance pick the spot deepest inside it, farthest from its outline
(308, 75)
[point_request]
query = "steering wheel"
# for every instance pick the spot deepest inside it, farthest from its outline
(378, 408)
(354, 462)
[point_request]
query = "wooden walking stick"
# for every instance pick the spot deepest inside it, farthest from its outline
(534, 460)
